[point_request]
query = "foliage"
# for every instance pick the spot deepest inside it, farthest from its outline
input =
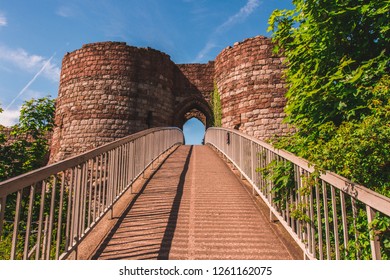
(381, 228)
(216, 106)
(337, 53)
(35, 226)
(281, 174)
(28, 149)
(23, 149)
(338, 99)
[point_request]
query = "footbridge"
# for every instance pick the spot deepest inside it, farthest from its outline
(149, 196)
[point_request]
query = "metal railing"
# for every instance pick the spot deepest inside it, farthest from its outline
(46, 213)
(322, 211)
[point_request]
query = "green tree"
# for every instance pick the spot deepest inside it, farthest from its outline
(29, 147)
(337, 57)
(337, 53)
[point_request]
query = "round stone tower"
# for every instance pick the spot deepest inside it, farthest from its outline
(249, 79)
(107, 91)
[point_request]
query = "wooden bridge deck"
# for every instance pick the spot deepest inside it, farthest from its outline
(194, 207)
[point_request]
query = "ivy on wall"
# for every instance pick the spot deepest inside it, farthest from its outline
(216, 107)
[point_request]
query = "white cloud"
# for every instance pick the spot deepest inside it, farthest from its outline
(9, 117)
(240, 16)
(29, 94)
(3, 20)
(66, 11)
(30, 62)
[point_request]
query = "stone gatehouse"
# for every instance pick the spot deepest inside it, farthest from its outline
(109, 90)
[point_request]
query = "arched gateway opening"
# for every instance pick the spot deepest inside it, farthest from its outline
(194, 116)
(194, 131)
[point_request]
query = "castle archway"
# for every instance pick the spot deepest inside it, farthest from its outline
(193, 108)
(194, 131)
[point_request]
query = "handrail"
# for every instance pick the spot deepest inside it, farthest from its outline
(45, 213)
(330, 206)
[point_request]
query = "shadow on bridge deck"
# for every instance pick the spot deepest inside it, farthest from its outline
(195, 207)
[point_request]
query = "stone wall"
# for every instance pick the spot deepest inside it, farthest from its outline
(249, 80)
(195, 79)
(109, 90)
(193, 87)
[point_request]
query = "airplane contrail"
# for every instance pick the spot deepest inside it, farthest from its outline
(30, 82)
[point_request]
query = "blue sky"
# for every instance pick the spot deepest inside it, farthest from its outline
(35, 35)
(193, 132)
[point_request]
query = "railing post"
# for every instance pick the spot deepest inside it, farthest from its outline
(335, 223)
(16, 225)
(109, 185)
(59, 225)
(253, 168)
(241, 156)
(2, 213)
(51, 217)
(374, 240)
(77, 198)
(40, 221)
(152, 149)
(29, 220)
(144, 144)
(132, 167)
